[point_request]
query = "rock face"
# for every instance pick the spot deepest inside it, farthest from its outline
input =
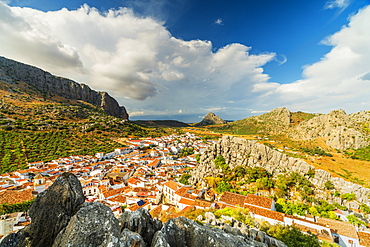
(241, 152)
(210, 119)
(182, 232)
(93, 225)
(341, 131)
(60, 217)
(11, 71)
(140, 222)
(50, 213)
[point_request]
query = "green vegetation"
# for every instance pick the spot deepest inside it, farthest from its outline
(360, 154)
(292, 236)
(17, 207)
(316, 151)
(184, 178)
(220, 163)
(239, 214)
(18, 148)
(185, 152)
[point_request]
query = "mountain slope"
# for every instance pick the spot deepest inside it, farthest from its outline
(49, 86)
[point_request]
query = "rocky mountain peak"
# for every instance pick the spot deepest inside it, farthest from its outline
(210, 119)
(339, 130)
(48, 84)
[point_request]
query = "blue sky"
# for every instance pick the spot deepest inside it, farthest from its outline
(181, 59)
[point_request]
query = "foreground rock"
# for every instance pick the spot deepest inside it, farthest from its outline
(93, 225)
(61, 218)
(50, 213)
(182, 232)
(141, 222)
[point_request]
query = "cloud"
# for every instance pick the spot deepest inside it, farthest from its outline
(219, 21)
(341, 4)
(338, 80)
(134, 58)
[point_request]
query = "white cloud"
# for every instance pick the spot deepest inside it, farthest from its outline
(131, 57)
(219, 21)
(341, 4)
(338, 80)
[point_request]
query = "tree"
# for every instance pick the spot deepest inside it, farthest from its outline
(292, 236)
(264, 183)
(329, 185)
(184, 178)
(220, 163)
(354, 220)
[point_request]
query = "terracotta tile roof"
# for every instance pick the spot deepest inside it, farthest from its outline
(172, 185)
(186, 201)
(339, 227)
(119, 198)
(266, 212)
(232, 199)
(182, 191)
(364, 238)
(259, 201)
(15, 196)
(203, 204)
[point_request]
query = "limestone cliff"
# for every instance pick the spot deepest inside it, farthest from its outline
(241, 152)
(340, 130)
(210, 119)
(12, 71)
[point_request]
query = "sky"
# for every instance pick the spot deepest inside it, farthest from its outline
(180, 59)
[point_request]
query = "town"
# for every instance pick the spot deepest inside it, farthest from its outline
(151, 173)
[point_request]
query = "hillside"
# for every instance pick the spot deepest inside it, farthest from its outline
(161, 123)
(43, 117)
(20, 77)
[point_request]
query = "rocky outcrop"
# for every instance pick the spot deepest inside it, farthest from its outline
(12, 71)
(93, 225)
(182, 232)
(140, 222)
(210, 119)
(340, 130)
(60, 217)
(241, 152)
(50, 213)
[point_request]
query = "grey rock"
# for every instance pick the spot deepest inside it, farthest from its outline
(141, 222)
(182, 232)
(50, 213)
(132, 239)
(93, 225)
(159, 240)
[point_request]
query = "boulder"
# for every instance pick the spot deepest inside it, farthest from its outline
(93, 225)
(141, 222)
(183, 232)
(132, 239)
(50, 213)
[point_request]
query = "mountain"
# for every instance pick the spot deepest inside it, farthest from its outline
(337, 129)
(49, 86)
(210, 119)
(340, 131)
